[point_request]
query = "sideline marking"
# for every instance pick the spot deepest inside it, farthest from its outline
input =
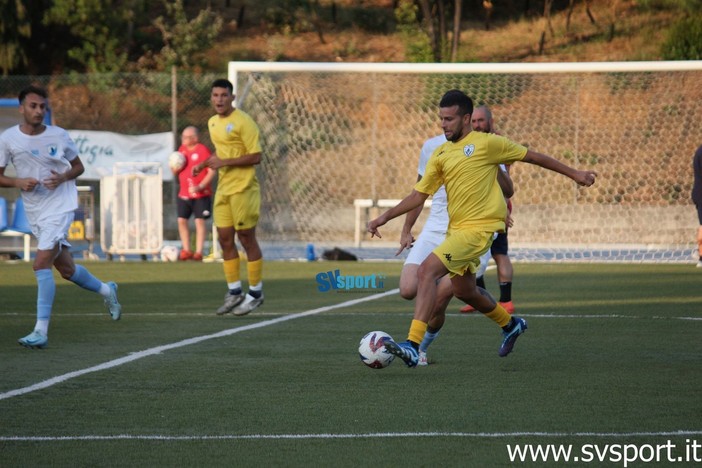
(478, 435)
(187, 342)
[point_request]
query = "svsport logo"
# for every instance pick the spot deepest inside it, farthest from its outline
(334, 280)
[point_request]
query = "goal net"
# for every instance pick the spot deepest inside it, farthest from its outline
(334, 134)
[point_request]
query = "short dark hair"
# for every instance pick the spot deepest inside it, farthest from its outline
(222, 83)
(456, 97)
(32, 89)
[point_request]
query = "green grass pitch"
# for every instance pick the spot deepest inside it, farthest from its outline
(612, 356)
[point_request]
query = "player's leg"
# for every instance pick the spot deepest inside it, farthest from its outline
(202, 209)
(420, 250)
(46, 290)
(479, 278)
(444, 294)
(428, 273)
(499, 249)
(699, 237)
(230, 255)
(246, 208)
(184, 209)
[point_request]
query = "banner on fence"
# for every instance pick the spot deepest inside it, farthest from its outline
(99, 151)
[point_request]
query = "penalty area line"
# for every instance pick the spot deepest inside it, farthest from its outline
(187, 342)
(372, 435)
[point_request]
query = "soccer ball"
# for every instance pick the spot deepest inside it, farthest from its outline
(176, 161)
(372, 350)
(169, 253)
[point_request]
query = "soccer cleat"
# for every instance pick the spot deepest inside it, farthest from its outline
(197, 257)
(509, 307)
(468, 309)
(510, 337)
(35, 340)
(185, 255)
(699, 264)
(404, 351)
(249, 304)
(422, 359)
(230, 301)
(113, 306)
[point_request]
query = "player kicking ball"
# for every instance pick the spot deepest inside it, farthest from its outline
(467, 166)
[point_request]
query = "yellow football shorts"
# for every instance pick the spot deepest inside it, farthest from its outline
(461, 250)
(240, 210)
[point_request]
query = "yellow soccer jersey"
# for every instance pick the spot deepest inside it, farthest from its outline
(234, 136)
(468, 169)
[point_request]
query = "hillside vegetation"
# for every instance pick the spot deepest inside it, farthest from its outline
(627, 31)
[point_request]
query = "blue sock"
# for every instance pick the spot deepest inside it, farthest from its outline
(45, 293)
(429, 337)
(83, 278)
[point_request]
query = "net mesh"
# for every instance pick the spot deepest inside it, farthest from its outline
(330, 138)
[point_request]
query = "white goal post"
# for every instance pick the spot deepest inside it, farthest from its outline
(335, 133)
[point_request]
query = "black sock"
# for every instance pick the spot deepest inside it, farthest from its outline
(508, 328)
(254, 294)
(235, 292)
(480, 282)
(414, 345)
(506, 291)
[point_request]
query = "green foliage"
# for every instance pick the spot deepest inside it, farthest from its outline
(684, 40)
(690, 6)
(100, 28)
(182, 38)
(15, 26)
(417, 43)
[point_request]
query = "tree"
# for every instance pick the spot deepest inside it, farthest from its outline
(15, 27)
(182, 38)
(98, 31)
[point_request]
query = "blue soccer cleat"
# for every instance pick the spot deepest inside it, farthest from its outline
(113, 306)
(34, 340)
(510, 337)
(404, 351)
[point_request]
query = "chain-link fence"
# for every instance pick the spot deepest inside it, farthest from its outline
(332, 138)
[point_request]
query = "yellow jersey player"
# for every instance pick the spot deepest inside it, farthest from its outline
(467, 166)
(237, 201)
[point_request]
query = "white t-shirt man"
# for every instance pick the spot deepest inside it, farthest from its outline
(36, 156)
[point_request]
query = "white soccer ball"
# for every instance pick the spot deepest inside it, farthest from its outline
(372, 350)
(176, 161)
(169, 253)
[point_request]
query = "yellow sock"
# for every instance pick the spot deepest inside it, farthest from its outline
(499, 315)
(417, 330)
(255, 271)
(231, 270)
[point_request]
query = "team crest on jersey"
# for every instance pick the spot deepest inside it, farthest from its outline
(229, 128)
(468, 150)
(52, 149)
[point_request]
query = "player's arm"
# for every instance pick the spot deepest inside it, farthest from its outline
(505, 182)
(586, 178)
(406, 237)
(411, 201)
(56, 178)
(215, 162)
(23, 183)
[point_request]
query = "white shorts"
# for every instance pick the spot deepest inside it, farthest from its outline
(53, 230)
(423, 246)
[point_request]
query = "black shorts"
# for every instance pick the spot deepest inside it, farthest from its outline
(499, 245)
(699, 213)
(200, 207)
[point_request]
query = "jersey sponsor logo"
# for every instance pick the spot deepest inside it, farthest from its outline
(468, 150)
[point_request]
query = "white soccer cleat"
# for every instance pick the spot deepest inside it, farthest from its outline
(249, 304)
(422, 359)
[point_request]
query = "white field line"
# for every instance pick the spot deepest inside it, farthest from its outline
(372, 435)
(190, 341)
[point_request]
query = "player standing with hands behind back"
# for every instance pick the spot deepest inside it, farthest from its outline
(237, 201)
(467, 166)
